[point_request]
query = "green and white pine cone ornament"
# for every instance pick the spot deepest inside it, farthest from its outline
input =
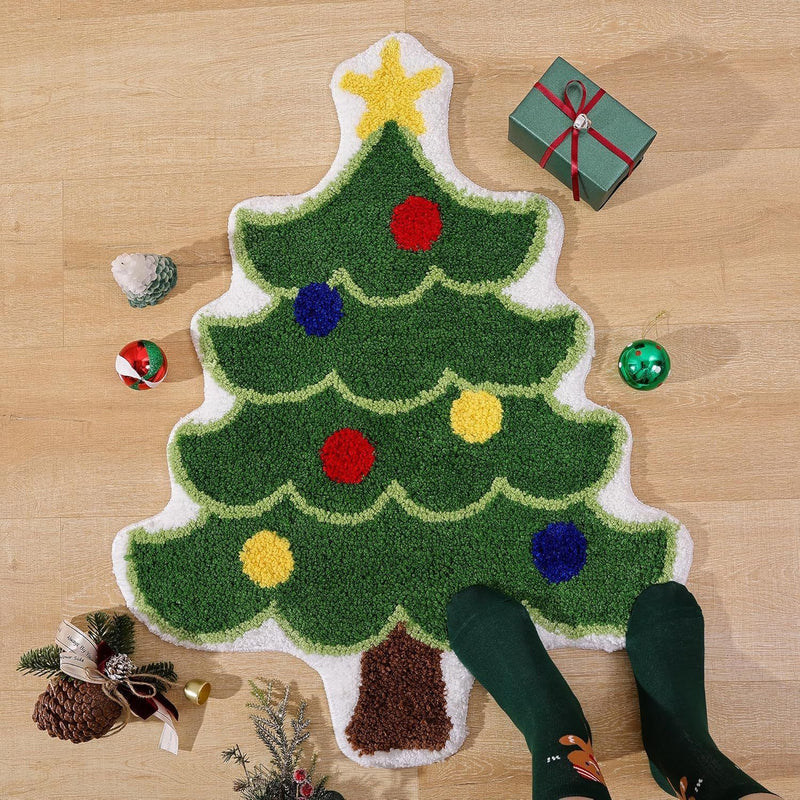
(144, 277)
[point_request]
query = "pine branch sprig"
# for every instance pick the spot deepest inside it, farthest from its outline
(41, 661)
(263, 696)
(283, 734)
(162, 672)
(99, 624)
(236, 754)
(123, 637)
(269, 723)
(301, 734)
(270, 742)
(116, 631)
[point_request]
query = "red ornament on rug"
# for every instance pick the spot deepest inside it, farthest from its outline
(347, 456)
(416, 223)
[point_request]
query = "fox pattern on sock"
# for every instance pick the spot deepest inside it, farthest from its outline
(681, 790)
(582, 759)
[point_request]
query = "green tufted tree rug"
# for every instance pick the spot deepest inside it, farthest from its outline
(394, 410)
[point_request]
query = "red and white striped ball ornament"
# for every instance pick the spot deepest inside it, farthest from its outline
(141, 364)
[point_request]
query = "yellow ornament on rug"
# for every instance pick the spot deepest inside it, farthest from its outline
(476, 416)
(390, 93)
(267, 559)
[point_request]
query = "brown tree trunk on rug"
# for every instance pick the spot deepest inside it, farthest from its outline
(401, 702)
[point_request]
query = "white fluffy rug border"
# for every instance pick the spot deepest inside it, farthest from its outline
(537, 289)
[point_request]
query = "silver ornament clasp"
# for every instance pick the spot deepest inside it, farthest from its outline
(582, 123)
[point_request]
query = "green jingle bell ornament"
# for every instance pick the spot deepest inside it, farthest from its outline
(644, 364)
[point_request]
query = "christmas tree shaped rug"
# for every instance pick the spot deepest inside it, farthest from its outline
(394, 410)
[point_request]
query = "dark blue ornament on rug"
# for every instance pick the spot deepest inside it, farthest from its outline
(318, 308)
(559, 551)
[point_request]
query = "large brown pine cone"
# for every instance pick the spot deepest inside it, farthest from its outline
(76, 711)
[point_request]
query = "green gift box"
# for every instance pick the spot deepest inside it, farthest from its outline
(579, 133)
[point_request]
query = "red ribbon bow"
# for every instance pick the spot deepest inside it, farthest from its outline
(580, 122)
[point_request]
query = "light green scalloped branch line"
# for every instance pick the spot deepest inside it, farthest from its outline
(272, 612)
(571, 631)
(309, 646)
(341, 277)
(394, 490)
(433, 277)
(309, 205)
(333, 381)
(547, 385)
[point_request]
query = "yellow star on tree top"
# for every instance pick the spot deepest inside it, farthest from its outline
(390, 93)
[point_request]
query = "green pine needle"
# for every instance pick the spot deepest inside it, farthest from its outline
(236, 754)
(162, 674)
(116, 631)
(122, 638)
(98, 625)
(161, 669)
(42, 661)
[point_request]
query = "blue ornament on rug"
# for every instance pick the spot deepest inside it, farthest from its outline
(318, 308)
(559, 551)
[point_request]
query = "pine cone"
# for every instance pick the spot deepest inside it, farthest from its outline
(144, 277)
(76, 711)
(166, 277)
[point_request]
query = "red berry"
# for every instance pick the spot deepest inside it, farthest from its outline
(638, 352)
(300, 775)
(347, 456)
(306, 789)
(416, 223)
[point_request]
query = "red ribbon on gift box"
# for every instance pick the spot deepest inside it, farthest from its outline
(580, 122)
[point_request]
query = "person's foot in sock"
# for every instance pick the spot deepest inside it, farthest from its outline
(666, 649)
(495, 639)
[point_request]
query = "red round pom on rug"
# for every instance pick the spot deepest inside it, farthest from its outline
(416, 223)
(347, 456)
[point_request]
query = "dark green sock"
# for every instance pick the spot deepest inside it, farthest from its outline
(497, 642)
(666, 649)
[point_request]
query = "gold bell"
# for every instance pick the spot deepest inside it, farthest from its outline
(197, 691)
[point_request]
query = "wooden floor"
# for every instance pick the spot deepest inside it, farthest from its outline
(135, 125)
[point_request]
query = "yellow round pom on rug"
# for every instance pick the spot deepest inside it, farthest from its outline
(267, 559)
(476, 416)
